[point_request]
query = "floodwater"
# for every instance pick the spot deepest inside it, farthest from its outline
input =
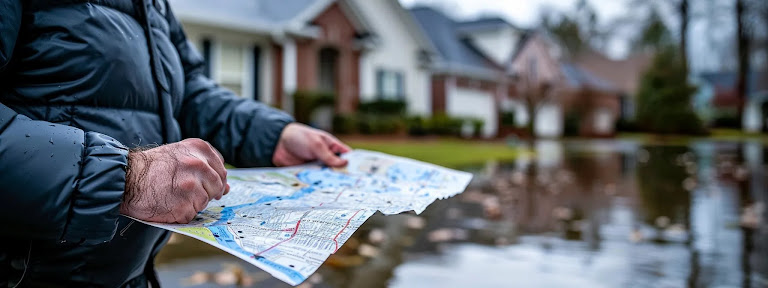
(598, 213)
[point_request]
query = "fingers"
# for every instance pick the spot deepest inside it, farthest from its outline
(335, 144)
(218, 165)
(324, 154)
(212, 183)
(195, 200)
(215, 163)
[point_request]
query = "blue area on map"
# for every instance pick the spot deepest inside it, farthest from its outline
(228, 213)
(401, 172)
(295, 276)
(326, 178)
(226, 239)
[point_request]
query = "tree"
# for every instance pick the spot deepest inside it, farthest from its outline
(684, 11)
(743, 38)
(576, 31)
(654, 35)
(664, 97)
(534, 94)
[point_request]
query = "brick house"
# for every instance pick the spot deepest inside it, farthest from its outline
(267, 50)
(468, 77)
(723, 99)
(572, 90)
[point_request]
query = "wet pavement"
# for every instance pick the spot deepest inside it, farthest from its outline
(597, 213)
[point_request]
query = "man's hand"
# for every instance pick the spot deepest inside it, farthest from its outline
(171, 183)
(300, 144)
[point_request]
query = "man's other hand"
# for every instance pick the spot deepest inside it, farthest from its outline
(171, 183)
(301, 144)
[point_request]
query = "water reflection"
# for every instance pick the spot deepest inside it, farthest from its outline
(580, 214)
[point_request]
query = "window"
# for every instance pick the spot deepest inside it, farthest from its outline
(206, 47)
(232, 67)
(533, 70)
(390, 85)
(329, 58)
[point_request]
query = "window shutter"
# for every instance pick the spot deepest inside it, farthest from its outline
(379, 84)
(207, 57)
(257, 73)
(400, 86)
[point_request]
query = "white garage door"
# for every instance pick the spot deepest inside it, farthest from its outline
(475, 104)
(549, 121)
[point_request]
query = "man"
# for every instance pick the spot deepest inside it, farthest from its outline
(81, 83)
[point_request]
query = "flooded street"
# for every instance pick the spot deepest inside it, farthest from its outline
(597, 213)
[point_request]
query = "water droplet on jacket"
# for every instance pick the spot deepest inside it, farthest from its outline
(51, 155)
(51, 141)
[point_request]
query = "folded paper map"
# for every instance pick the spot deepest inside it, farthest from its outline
(288, 221)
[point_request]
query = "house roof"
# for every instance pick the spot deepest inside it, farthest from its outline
(483, 24)
(724, 85)
(727, 80)
(575, 76)
(624, 74)
(261, 16)
(456, 55)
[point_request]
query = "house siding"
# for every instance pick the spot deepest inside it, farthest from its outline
(396, 50)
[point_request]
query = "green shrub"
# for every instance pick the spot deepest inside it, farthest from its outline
(383, 107)
(571, 126)
(380, 124)
(477, 126)
(508, 119)
(726, 120)
(306, 102)
(345, 124)
(417, 126)
(626, 125)
(443, 125)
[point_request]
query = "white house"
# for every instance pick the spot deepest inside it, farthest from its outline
(467, 81)
(395, 66)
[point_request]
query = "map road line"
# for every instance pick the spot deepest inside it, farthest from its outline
(342, 230)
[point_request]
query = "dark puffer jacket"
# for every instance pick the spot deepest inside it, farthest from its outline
(80, 83)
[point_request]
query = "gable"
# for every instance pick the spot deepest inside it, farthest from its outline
(498, 45)
(538, 60)
(393, 26)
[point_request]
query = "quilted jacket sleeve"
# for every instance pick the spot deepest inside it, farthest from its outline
(245, 131)
(57, 182)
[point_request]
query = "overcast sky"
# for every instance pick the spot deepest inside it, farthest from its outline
(520, 12)
(703, 37)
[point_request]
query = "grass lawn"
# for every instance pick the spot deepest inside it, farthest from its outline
(452, 153)
(715, 135)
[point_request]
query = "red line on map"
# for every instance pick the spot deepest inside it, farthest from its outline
(342, 230)
(295, 230)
